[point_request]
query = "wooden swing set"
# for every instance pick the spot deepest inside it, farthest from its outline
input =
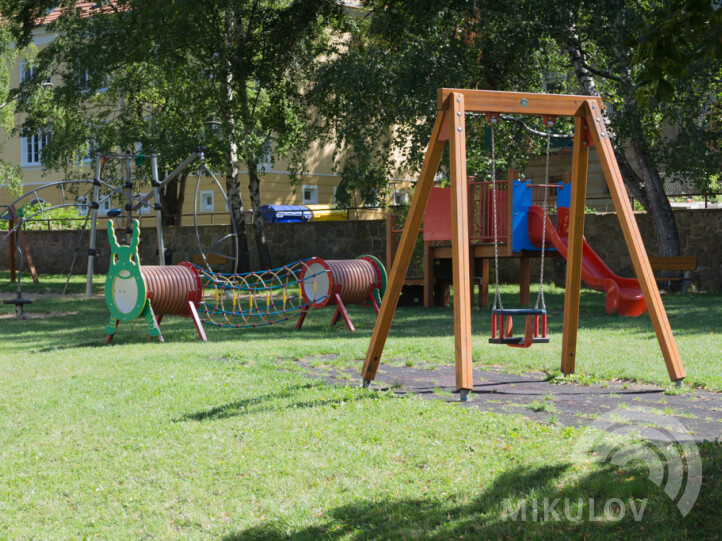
(589, 130)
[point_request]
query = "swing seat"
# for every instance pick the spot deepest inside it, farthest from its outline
(502, 327)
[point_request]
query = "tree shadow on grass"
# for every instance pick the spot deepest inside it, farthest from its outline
(578, 514)
(275, 402)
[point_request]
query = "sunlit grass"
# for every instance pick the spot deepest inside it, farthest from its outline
(230, 439)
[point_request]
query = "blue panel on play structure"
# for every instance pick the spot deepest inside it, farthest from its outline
(521, 201)
(564, 195)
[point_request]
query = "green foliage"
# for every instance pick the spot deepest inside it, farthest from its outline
(380, 96)
(54, 219)
(232, 76)
(676, 39)
(9, 173)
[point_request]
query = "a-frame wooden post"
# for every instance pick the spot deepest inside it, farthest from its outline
(460, 244)
(573, 283)
(635, 245)
(406, 247)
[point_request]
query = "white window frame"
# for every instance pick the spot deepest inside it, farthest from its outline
(27, 71)
(81, 203)
(203, 206)
(90, 151)
(105, 205)
(400, 197)
(335, 201)
(313, 191)
(265, 162)
(84, 82)
(30, 156)
(143, 209)
(552, 80)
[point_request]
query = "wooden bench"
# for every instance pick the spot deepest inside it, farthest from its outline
(685, 264)
(214, 260)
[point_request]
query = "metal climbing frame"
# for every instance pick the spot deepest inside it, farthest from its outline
(133, 203)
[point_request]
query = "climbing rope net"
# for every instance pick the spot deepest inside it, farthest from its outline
(257, 299)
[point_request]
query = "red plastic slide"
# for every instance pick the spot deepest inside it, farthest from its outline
(623, 294)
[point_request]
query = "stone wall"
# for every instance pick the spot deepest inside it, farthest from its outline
(52, 251)
(699, 231)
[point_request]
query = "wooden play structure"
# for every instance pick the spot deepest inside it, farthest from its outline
(512, 235)
(589, 130)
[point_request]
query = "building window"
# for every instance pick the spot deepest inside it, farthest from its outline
(32, 148)
(81, 203)
(105, 206)
(553, 83)
(310, 195)
(207, 201)
(335, 188)
(84, 81)
(265, 161)
(28, 71)
(88, 154)
(145, 207)
(372, 200)
(401, 197)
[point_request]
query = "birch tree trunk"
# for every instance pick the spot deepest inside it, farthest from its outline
(235, 204)
(645, 186)
(259, 230)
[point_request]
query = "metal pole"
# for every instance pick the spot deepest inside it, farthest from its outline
(93, 220)
(177, 171)
(157, 207)
(128, 198)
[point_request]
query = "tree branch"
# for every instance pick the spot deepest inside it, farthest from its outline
(572, 41)
(604, 74)
(8, 102)
(533, 131)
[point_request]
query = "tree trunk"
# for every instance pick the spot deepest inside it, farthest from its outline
(235, 204)
(172, 197)
(657, 203)
(647, 185)
(233, 185)
(264, 254)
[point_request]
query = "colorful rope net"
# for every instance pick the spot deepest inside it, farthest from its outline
(256, 299)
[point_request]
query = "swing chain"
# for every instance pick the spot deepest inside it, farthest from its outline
(540, 295)
(497, 296)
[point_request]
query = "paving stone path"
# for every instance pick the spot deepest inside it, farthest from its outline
(534, 396)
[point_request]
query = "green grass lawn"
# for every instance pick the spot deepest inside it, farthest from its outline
(231, 440)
